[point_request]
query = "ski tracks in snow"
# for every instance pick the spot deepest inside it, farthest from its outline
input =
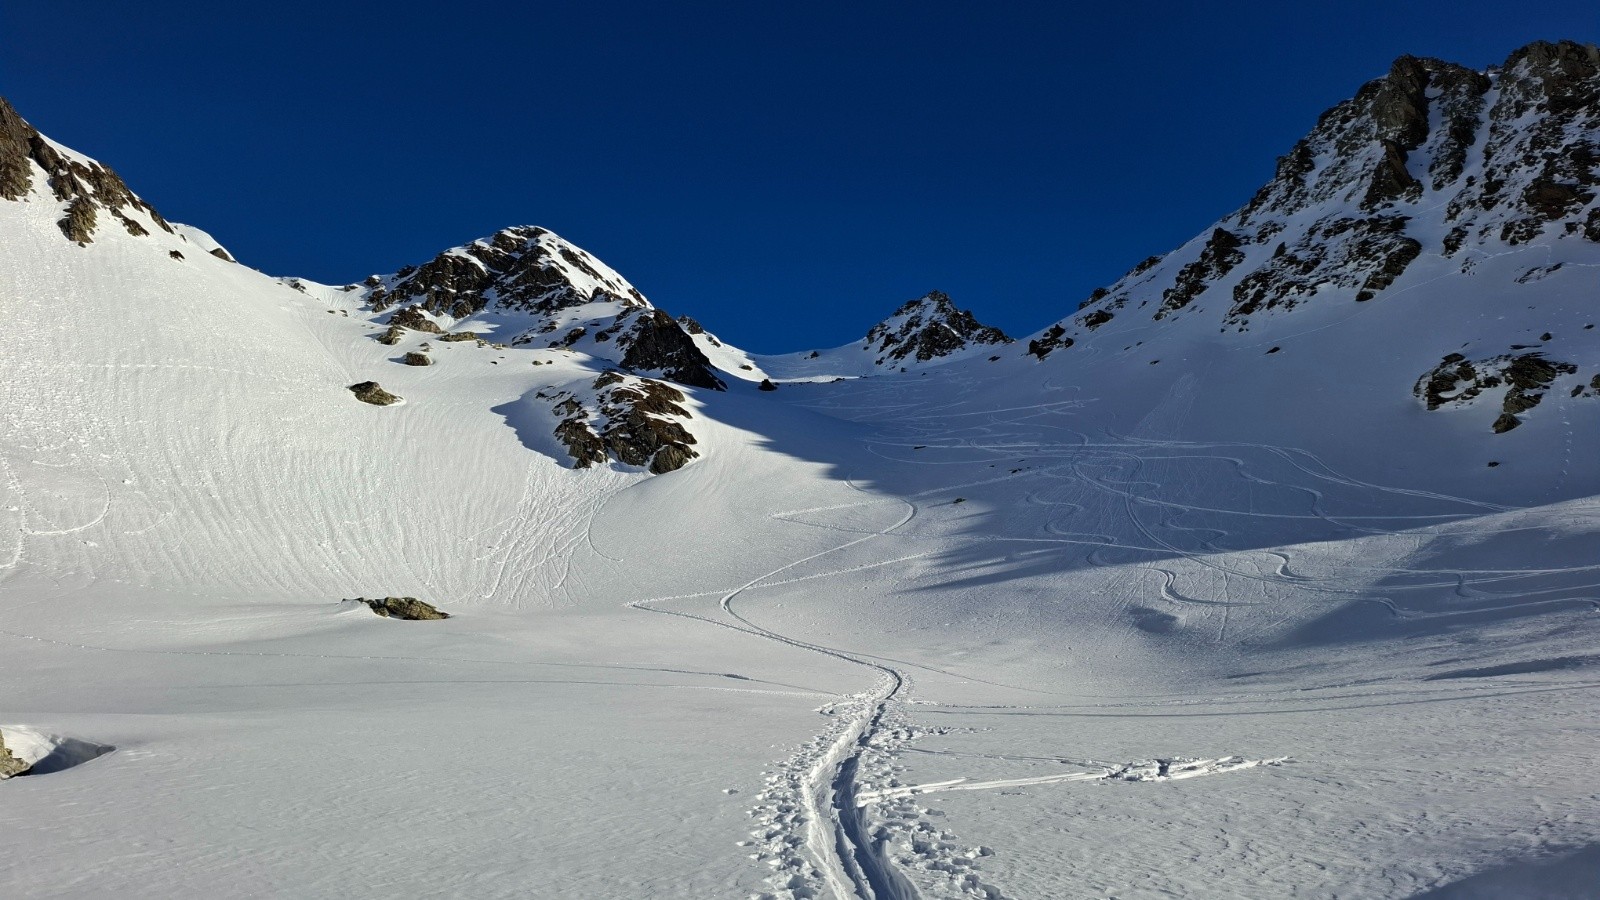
(809, 829)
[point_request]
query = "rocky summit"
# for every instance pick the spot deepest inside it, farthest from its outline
(530, 287)
(1431, 160)
(927, 328)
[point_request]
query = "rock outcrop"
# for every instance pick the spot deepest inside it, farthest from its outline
(372, 392)
(88, 188)
(534, 288)
(929, 327)
(1526, 378)
(636, 421)
(409, 608)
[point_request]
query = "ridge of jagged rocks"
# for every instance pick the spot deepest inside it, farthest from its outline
(545, 291)
(1490, 159)
(87, 188)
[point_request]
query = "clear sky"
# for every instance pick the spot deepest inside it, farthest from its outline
(786, 172)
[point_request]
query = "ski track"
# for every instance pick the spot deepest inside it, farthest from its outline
(838, 850)
(815, 829)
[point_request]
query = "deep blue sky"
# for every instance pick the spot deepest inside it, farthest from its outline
(786, 172)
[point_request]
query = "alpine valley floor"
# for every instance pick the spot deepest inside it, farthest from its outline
(893, 637)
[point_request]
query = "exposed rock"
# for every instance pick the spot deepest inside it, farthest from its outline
(1553, 200)
(1220, 255)
(411, 317)
(1391, 180)
(929, 327)
(1505, 423)
(1053, 338)
(10, 766)
(766, 385)
(130, 226)
(1459, 381)
(657, 343)
(16, 174)
(78, 223)
(1364, 254)
(586, 447)
(538, 284)
(416, 358)
(1095, 319)
(637, 421)
(409, 608)
(86, 187)
(372, 392)
(524, 269)
(458, 336)
(392, 336)
(220, 253)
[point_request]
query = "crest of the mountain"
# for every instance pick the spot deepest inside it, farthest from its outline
(531, 287)
(927, 328)
(87, 194)
(1433, 160)
(33, 166)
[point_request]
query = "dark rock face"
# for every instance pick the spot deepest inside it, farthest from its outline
(1096, 318)
(392, 336)
(86, 188)
(637, 421)
(1459, 381)
(928, 328)
(542, 284)
(1541, 149)
(1218, 258)
(1334, 223)
(417, 358)
(411, 317)
(78, 223)
(1053, 338)
(657, 343)
(409, 608)
(525, 273)
(766, 385)
(1364, 254)
(372, 392)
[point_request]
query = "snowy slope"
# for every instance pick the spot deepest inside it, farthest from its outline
(1178, 609)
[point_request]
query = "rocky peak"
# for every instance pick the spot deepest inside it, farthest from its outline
(522, 269)
(534, 287)
(927, 328)
(1429, 159)
(85, 187)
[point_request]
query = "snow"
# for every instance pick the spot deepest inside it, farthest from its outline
(976, 630)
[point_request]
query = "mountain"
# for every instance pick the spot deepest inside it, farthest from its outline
(1300, 516)
(528, 286)
(930, 330)
(1408, 219)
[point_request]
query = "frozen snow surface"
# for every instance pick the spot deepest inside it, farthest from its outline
(1205, 605)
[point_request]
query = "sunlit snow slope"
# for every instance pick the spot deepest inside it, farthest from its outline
(1208, 604)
